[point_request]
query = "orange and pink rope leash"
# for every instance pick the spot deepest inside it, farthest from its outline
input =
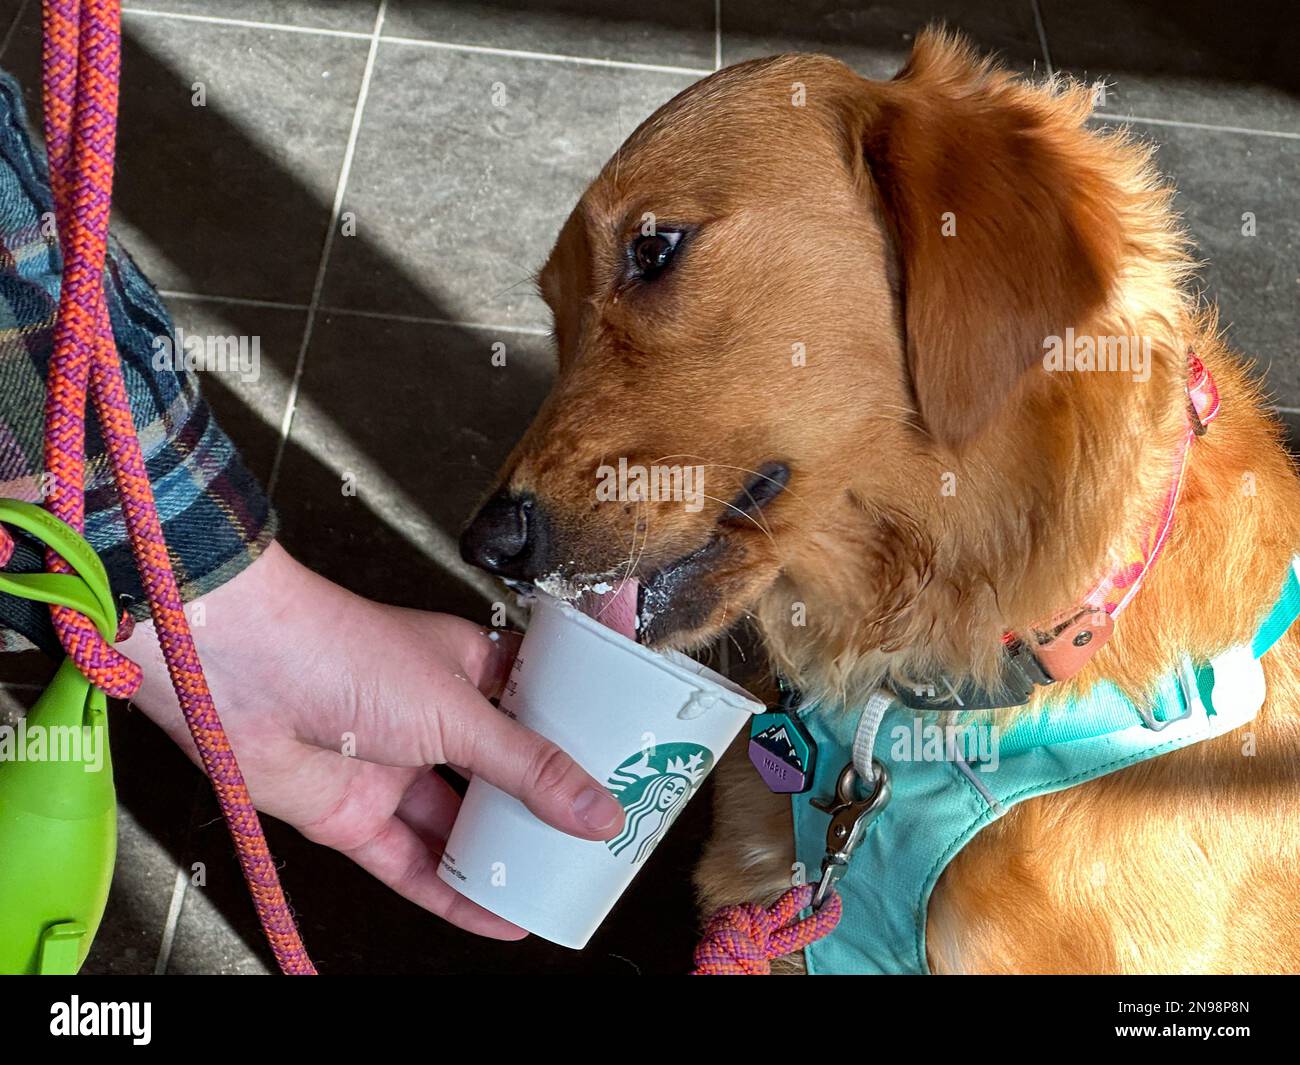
(82, 61)
(744, 940)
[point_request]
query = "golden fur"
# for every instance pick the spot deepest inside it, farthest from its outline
(819, 224)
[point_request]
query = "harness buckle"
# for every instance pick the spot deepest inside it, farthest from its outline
(850, 817)
(1191, 699)
(1021, 673)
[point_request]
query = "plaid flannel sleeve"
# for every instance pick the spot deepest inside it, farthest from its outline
(216, 517)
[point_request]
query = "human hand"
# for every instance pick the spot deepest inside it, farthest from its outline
(338, 707)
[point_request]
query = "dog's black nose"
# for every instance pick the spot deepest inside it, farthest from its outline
(508, 537)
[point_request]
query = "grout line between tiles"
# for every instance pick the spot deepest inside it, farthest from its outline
(383, 316)
(450, 46)
(237, 301)
(218, 20)
(13, 27)
(549, 57)
(717, 34)
(1042, 37)
(340, 191)
(179, 886)
(1106, 116)
(417, 319)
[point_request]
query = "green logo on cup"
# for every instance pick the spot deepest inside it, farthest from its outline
(654, 786)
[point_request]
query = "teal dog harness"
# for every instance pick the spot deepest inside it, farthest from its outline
(947, 783)
(934, 785)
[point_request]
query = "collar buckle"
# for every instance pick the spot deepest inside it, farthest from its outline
(1071, 641)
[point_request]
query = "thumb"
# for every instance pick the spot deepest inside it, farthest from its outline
(477, 737)
(534, 770)
(433, 709)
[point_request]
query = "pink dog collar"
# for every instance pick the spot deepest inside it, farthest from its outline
(1064, 643)
(1070, 646)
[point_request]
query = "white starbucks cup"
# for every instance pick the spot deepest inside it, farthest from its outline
(648, 725)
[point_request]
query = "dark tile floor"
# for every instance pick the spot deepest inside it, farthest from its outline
(389, 113)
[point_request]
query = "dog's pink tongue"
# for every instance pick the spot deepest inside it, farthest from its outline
(615, 608)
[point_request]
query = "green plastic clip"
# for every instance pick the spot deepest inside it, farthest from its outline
(58, 807)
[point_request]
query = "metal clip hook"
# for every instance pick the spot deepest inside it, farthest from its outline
(850, 817)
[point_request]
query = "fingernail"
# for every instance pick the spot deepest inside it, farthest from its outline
(596, 809)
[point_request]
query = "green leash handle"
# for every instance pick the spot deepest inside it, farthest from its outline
(58, 807)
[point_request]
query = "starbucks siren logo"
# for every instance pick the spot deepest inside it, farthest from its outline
(654, 786)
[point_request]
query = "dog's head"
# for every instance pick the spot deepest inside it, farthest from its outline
(801, 318)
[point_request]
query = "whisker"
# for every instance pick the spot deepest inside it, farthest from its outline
(723, 466)
(632, 559)
(633, 556)
(645, 540)
(744, 514)
(533, 278)
(736, 643)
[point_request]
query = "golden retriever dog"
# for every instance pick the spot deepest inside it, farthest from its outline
(832, 294)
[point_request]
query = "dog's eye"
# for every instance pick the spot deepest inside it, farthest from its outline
(650, 254)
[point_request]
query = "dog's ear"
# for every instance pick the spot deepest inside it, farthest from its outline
(1000, 217)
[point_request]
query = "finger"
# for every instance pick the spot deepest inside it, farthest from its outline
(429, 808)
(435, 716)
(507, 645)
(398, 857)
(395, 720)
(518, 761)
(337, 801)
(486, 655)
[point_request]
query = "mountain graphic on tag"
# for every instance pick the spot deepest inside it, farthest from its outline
(783, 752)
